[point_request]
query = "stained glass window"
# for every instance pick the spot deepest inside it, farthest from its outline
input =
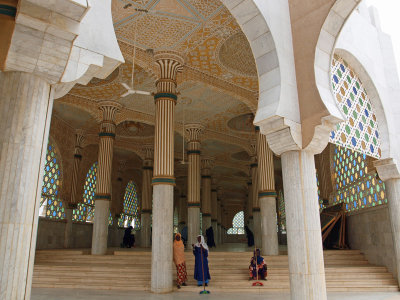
(130, 215)
(281, 212)
(85, 210)
(237, 224)
(320, 200)
(360, 132)
(354, 186)
(51, 205)
(176, 221)
(201, 223)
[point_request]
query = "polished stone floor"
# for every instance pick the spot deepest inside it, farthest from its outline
(67, 294)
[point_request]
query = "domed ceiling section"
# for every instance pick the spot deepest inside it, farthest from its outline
(134, 129)
(202, 30)
(242, 123)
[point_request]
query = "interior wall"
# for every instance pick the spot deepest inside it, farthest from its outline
(51, 235)
(369, 230)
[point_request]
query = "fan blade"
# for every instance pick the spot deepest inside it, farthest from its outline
(143, 93)
(125, 85)
(127, 93)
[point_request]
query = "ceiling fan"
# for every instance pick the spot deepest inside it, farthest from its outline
(130, 89)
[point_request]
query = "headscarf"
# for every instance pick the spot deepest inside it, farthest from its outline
(202, 243)
(179, 250)
(260, 259)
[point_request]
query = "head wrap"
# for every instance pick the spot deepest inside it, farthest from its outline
(202, 243)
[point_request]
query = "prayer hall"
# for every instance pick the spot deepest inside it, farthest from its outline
(156, 149)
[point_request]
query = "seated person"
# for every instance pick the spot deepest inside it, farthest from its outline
(257, 264)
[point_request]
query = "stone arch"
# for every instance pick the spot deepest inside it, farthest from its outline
(267, 27)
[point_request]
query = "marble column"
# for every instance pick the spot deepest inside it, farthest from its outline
(109, 110)
(389, 172)
(214, 209)
(206, 165)
(145, 231)
(267, 197)
(72, 203)
(306, 260)
(163, 181)
(256, 223)
(26, 103)
(193, 132)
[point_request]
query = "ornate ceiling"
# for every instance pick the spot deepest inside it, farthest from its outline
(218, 86)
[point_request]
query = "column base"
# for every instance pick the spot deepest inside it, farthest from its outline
(162, 239)
(100, 227)
(269, 235)
(193, 224)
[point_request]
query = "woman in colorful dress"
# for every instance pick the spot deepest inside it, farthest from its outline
(260, 267)
(201, 271)
(179, 260)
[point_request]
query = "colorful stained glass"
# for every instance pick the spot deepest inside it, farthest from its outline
(201, 223)
(51, 205)
(281, 212)
(237, 224)
(176, 221)
(360, 132)
(85, 210)
(130, 215)
(354, 186)
(320, 200)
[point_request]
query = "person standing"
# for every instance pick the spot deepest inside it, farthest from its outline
(179, 260)
(201, 271)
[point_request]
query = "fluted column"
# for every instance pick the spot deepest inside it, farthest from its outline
(206, 165)
(267, 197)
(193, 132)
(26, 102)
(146, 197)
(183, 212)
(109, 110)
(249, 206)
(72, 203)
(214, 209)
(163, 173)
(256, 205)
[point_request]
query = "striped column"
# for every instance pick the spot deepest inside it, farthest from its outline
(26, 103)
(214, 208)
(109, 110)
(206, 165)
(193, 132)
(254, 193)
(118, 192)
(145, 233)
(79, 139)
(163, 173)
(267, 197)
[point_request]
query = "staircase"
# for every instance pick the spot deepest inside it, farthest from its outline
(345, 270)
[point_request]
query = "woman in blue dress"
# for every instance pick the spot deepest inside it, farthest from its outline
(201, 271)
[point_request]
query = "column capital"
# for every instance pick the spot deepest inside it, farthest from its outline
(194, 131)
(207, 162)
(148, 151)
(109, 110)
(79, 140)
(387, 169)
(169, 63)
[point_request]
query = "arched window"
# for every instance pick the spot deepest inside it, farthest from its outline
(130, 216)
(51, 205)
(238, 224)
(360, 132)
(85, 209)
(353, 184)
(281, 212)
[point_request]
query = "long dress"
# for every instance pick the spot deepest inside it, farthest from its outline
(261, 267)
(210, 237)
(179, 260)
(198, 270)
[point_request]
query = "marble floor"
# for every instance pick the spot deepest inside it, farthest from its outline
(67, 294)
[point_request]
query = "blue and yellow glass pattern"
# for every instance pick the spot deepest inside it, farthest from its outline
(50, 187)
(131, 205)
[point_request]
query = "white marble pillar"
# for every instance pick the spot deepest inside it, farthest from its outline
(163, 174)
(267, 197)
(72, 203)
(389, 172)
(146, 197)
(26, 102)
(306, 261)
(193, 132)
(109, 110)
